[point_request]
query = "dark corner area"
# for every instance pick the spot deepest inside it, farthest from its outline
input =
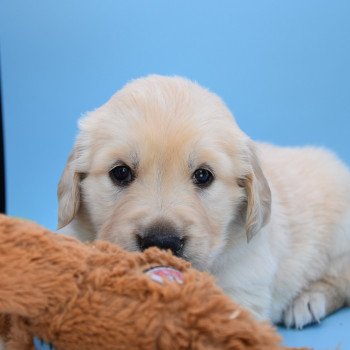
(2, 157)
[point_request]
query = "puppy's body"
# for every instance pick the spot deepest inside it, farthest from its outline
(302, 255)
(292, 205)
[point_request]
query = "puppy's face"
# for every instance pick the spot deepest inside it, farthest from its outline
(164, 164)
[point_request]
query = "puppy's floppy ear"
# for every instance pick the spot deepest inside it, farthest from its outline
(258, 208)
(68, 193)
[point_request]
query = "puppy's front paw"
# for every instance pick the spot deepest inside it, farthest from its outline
(309, 307)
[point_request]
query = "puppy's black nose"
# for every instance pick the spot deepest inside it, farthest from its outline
(162, 236)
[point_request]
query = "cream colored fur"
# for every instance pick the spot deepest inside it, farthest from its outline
(273, 227)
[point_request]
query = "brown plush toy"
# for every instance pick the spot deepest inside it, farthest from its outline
(98, 296)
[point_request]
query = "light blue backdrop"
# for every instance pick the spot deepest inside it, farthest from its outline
(283, 67)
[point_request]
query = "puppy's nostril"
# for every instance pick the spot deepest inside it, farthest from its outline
(139, 240)
(182, 243)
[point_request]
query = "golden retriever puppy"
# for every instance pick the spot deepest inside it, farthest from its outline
(163, 163)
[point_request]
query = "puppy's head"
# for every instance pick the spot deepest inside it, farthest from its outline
(164, 164)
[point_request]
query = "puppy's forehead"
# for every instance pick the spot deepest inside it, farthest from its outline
(163, 101)
(159, 115)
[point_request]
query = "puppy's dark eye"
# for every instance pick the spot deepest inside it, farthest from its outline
(121, 175)
(202, 177)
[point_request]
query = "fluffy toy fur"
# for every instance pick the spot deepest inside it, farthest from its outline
(98, 296)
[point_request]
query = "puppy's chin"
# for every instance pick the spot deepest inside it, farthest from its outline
(197, 250)
(197, 259)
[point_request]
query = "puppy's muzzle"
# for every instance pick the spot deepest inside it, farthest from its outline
(163, 236)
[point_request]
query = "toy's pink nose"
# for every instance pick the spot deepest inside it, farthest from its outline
(162, 235)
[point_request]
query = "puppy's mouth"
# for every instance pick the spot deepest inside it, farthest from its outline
(162, 234)
(179, 245)
(172, 242)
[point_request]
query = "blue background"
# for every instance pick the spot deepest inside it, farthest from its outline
(283, 68)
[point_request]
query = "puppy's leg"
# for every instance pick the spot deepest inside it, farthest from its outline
(321, 298)
(257, 301)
